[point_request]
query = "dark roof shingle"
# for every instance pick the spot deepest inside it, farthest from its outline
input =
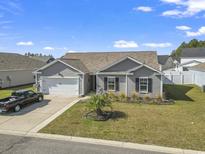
(76, 63)
(162, 59)
(95, 61)
(14, 61)
(193, 52)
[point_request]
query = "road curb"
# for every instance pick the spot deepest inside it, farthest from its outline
(119, 144)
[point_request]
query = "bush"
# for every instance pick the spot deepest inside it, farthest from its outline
(98, 102)
(146, 99)
(113, 97)
(135, 97)
(123, 98)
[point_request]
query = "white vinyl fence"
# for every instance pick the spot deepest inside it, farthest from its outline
(179, 78)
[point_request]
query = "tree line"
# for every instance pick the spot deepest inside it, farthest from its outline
(29, 54)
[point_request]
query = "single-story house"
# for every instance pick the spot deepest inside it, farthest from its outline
(75, 74)
(16, 69)
(198, 72)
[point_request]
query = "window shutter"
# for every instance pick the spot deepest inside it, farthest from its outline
(150, 85)
(105, 83)
(117, 84)
(137, 84)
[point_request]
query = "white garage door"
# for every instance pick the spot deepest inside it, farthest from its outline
(60, 86)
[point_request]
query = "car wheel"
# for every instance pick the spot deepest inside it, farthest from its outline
(40, 99)
(17, 108)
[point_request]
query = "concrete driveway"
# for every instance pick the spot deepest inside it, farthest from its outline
(34, 114)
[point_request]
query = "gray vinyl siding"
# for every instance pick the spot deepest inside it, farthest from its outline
(18, 78)
(59, 69)
(145, 72)
(86, 83)
(131, 85)
(122, 82)
(122, 66)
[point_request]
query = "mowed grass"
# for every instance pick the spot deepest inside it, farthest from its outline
(181, 125)
(7, 92)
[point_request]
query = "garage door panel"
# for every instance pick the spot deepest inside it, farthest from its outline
(59, 86)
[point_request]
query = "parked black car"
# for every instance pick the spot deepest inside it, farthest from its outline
(18, 99)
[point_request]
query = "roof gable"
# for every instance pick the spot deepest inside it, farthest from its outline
(74, 64)
(121, 65)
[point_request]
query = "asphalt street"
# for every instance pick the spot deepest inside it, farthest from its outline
(10, 144)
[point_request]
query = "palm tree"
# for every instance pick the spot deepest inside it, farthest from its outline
(98, 102)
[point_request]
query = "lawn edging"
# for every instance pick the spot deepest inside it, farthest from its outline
(54, 116)
(127, 145)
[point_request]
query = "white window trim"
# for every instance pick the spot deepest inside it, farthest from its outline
(142, 91)
(111, 77)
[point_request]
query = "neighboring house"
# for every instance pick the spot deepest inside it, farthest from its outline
(76, 74)
(198, 72)
(192, 54)
(181, 74)
(45, 59)
(166, 62)
(16, 69)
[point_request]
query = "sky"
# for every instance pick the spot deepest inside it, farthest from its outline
(60, 26)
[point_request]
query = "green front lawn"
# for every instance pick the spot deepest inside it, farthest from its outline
(180, 125)
(7, 92)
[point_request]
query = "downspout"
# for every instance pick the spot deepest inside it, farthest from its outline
(83, 86)
(161, 90)
(126, 87)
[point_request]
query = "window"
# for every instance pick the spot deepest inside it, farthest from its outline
(111, 83)
(143, 85)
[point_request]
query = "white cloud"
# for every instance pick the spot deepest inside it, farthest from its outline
(157, 45)
(72, 51)
(29, 43)
(48, 48)
(172, 13)
(6, 22)
(200, 32)
(125, 44)
(143, 9)
(185, 8)
(184, 28)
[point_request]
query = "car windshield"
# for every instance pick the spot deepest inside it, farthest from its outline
(17, 94)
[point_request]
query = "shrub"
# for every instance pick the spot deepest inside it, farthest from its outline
(113, 97)
(122, 97)
(146, 99)
(135, 97)
(98, 102)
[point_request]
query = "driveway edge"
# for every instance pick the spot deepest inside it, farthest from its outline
(54, 116)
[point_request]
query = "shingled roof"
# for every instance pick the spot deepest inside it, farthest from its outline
(199, 67)
(162, 59)
(76, 63)
(193, 52)
(14, 61)
(94, 61)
